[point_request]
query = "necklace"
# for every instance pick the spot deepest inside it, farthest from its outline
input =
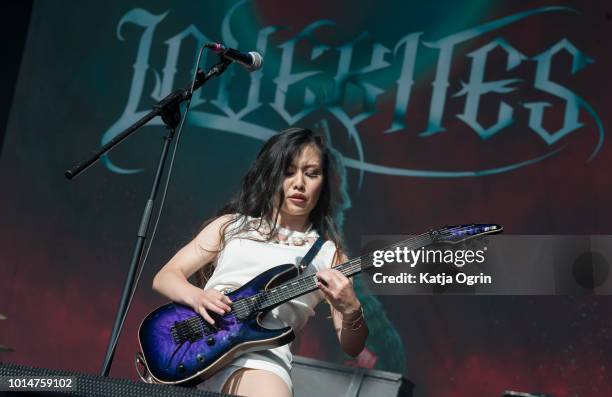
(286, 236)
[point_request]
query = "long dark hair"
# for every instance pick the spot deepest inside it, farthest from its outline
(265, 179)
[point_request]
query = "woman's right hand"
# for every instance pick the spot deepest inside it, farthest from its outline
(172, 279)
(203, 301)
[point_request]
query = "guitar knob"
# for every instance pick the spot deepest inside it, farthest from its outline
(210, 341)
(181, 367)
(200, 358)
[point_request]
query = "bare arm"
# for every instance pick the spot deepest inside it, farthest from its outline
(172, 279)
(346, 311)
(352, 331)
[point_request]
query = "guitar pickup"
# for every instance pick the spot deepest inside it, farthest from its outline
(187, 330)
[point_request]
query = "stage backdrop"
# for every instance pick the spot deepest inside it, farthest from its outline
(443, 112)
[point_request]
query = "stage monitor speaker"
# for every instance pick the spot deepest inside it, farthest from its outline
(310, 378)
(88, 385)
(320, 378)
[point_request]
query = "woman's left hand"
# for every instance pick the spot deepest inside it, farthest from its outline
(338, 290)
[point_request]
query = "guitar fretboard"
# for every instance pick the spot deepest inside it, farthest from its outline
(304, 284)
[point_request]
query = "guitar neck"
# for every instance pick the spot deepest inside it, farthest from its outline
(299, 286)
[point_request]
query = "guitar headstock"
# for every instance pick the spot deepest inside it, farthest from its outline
(457, 234)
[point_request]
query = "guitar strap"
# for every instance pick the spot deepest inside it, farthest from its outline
(312, 252)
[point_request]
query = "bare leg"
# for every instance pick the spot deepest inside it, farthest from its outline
(250, 382)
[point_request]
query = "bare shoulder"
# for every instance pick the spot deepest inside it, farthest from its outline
(209, 238)
(339, 256)
(201, 250)
(342, 256)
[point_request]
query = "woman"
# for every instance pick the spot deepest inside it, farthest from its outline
(287, 200)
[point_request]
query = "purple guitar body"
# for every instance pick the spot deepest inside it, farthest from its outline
(179, 346)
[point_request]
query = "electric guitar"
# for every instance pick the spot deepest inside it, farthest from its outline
(180, 347)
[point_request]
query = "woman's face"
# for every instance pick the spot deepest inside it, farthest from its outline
(303, 182)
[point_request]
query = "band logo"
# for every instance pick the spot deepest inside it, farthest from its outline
(235, 111)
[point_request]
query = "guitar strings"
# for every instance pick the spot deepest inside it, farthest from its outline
(352, 265)
(307, 283)
(242, 307)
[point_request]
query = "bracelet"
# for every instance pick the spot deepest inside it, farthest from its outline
(355, 326)
(352, 324)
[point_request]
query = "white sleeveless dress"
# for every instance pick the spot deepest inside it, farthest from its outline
(241, 260)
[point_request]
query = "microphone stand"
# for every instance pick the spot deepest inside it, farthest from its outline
(169, 110)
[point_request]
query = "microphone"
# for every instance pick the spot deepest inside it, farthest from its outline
(251, 61)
